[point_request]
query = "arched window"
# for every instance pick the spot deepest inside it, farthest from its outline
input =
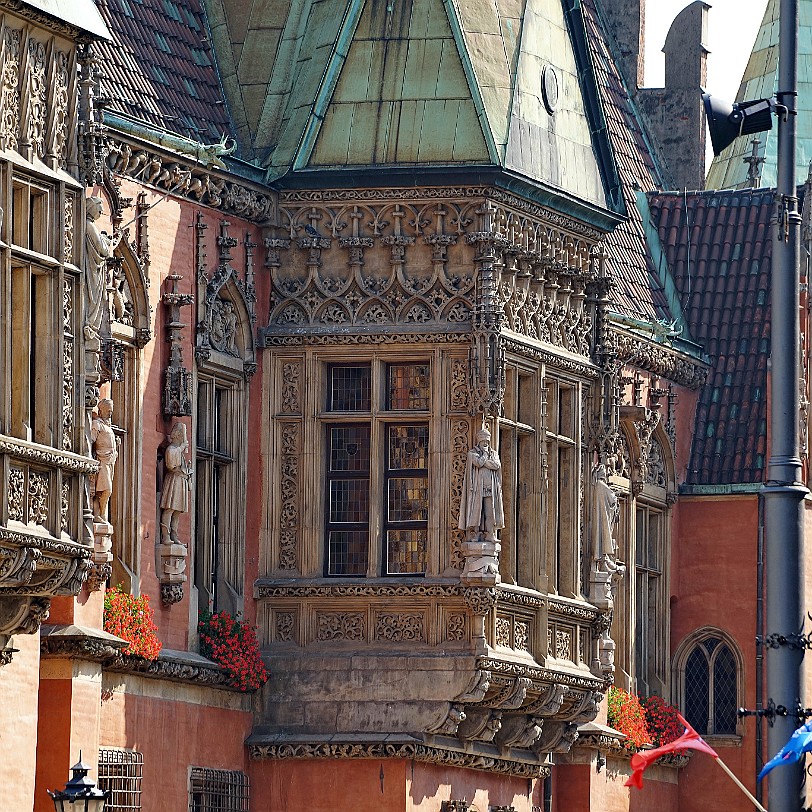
(708, 673)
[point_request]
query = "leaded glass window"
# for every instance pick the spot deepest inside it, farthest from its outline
(370, 457)
(710, 695)
(648, 556)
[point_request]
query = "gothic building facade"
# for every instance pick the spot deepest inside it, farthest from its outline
(367, 322)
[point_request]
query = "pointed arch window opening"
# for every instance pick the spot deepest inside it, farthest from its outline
(711, 688)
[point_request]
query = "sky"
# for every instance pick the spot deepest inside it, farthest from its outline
(732, 29)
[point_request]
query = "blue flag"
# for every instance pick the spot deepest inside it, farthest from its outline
(799, 743)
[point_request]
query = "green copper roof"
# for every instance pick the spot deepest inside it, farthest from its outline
(324, 84)
(729, 170)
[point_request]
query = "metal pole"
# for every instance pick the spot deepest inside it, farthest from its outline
(784, 491)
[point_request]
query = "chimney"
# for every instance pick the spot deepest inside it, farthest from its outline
(675, 112)
(627, 23)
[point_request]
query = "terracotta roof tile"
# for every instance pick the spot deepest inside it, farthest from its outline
(160, 69)
(719, 284)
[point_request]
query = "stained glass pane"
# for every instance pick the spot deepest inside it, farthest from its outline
(408, 499)
(408, 447)
(350, 389)
(348, 552)
(349, 501)
(697, 690)
(408, 386)
(349, 448)
(406, 551)
(724, 692)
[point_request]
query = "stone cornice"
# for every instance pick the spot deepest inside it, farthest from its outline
(662, 360)
(551, 356)
(270, 339)
(478, 758)
(508, 668)
(173, 669)
(152, 165)
(46, 455)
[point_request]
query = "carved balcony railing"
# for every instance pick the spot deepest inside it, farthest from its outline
(41, 523)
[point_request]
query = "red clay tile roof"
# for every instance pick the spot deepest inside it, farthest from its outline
(160, 69)
(638, 292)
(718, 247)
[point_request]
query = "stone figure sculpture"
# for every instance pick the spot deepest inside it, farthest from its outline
(481, 508)
(104, 444)
(175, 494)
(605, 513)
(98, 249)
(482, 513)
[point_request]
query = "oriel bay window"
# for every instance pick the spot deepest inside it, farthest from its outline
(377, 483)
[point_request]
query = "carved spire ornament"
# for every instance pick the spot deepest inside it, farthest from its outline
(178, 383)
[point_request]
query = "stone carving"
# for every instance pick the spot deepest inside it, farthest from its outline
(656, 473)
(455, 627)
(68, 394)
(219, 326)
(563, 645)
(33, 140)
(178, 381)
(408, 752)
(661, 360)
(519, 731)
(174, 502)
(397, 627)
(284, 627)
(480, 725)
(176, 484)
(10, 98)
(459, 454)
(223, 327)
(38, 488)
(459, 385)
(503, 632)
(341, 626)
(98, 577)
(449, 723)
(104, 445)
(15, 494)
(482, 512)
(289, 490)
(193, 181)
(22, 616)
(291, 394)
(98, 249)
(521, 635)
(477, 687)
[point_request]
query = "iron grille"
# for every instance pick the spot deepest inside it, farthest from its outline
(120, 774)
(217, 790)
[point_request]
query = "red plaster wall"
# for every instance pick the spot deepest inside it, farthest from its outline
(714, 580)
(173, 736)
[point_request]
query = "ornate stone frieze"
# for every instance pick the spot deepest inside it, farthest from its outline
(174, 670)
(271, 590)
(189, 179)
(490, 762)
(362, 339)
(48, 456)
(661, 360)
(540, 675)
(565, 363)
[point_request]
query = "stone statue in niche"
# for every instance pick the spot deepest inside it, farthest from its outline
(224, 327)
(98, 249)
(482, 512)
(176, 486)
(605, 514)
(104, 444)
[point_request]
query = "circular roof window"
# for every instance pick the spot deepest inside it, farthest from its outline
(549, 88)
